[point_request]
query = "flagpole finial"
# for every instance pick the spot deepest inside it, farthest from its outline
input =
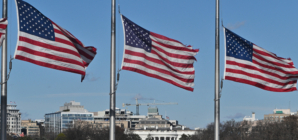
(222, 23)
(119, 9)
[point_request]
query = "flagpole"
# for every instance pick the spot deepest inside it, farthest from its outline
(3, 78)
(113, 72)
(217, 80)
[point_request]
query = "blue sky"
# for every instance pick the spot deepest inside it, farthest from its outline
(273, 26)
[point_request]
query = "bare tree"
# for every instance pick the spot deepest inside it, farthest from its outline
(287, 129)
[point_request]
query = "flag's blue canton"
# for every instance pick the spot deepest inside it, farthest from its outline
(33, 22)
(136, 36)
(238, 47)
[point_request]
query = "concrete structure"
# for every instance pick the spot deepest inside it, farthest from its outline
(73, 106)
(13, 119)
(58, 121)
(278, 115)
(30, 128)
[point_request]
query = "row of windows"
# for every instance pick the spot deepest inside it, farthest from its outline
(33, 129)
(76, 115)
(154, 122)
(76, 118)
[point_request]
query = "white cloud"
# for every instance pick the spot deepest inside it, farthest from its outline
(83, 94)
(235, 26)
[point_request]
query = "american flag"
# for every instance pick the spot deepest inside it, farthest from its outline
(3, 26)
(167, 117)
(158, 56)
(250, 64)
(44, 43)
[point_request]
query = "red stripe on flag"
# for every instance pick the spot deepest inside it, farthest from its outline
(157, 77)
(176, 48)
(272, 62)
(48, 46)
(261, 70)
(275, 68)
(260, 85)
(171, 62)
(157, 60)
(259, 77)
(3, 26)
(158, 70)
(49, 56)
(49, 65)
(71, 44)
(164, 37)
(187, 57)
(67, 34)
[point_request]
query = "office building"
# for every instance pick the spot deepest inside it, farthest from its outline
(30, 128)
(58, 121)
(278, 115)
(123, 118)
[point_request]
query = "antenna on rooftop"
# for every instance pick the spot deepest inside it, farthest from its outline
(147, 104)
(290, 105)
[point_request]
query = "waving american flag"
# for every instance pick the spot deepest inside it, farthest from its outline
(250, 64)
(158, 56)
(43, 42)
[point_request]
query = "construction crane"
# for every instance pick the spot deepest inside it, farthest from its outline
(147, 104)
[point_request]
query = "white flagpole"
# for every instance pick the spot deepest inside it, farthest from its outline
(217, 80)
(113, 72)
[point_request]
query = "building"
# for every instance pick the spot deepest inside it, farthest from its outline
(163, 134)
(101, 124)
(123, 118)
(58, 121)
(158, 127)
(278, 115)
(30, 128)
(13, 119)
(153, 122)
(252, 118)
(40, 123)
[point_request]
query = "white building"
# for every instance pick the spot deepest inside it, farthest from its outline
(163, 134)
(13, 119)
(158, 127)
(252, 118)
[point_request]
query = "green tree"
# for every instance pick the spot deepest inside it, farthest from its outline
(61, 136)
(132, 136)
(25, 138)
(149, 137)
(185, 137)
